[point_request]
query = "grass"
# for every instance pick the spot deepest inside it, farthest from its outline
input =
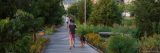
(49, 30)
(38, 45)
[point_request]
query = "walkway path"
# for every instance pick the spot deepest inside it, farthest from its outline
(59, 43)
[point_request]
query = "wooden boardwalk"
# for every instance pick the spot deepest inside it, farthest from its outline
(59, 43)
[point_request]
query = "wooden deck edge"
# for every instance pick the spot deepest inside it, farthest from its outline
(98, 50)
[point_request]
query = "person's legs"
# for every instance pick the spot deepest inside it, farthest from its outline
(71, 41)
(81, 43)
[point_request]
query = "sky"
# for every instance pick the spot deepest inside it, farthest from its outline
(67, 3)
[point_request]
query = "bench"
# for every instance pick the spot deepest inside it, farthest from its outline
(105, 34)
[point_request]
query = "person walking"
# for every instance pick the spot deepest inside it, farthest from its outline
(72, 31)
(67, 21)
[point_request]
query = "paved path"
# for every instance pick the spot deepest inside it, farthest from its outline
(59, 43)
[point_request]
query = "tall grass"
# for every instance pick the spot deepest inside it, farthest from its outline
(82, 29)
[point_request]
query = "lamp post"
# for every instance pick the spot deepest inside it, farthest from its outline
(85, 20)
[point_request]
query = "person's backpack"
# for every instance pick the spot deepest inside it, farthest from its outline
(72, 28)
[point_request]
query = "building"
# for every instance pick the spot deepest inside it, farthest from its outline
(94, 1)
(125, 1)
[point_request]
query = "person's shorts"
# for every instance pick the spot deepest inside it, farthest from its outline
(72, 36)
(66, 22)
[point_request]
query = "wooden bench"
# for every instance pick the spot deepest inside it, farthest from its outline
(105, 34)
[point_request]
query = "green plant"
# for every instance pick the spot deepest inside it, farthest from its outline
(77, 9)
(147, 17)
(51, 10)
(124, 30)
(16, 34)
(49, 30)
(8, 8)
(121, 44)
(149, 44)
(105, 12)
(93, 39)
(38, 45)
(96, 41)
(82, 29)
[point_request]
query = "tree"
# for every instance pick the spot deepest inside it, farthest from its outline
(21, 19)
(14, 30)
(73, 9)
(105, 12)
(52, 10)
(147, 17)
(77, 9)
(9, 7)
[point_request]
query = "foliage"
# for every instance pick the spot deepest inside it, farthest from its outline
(49, 30)
(77, 9)
(83, 30)
(150, 44)
(20, 46)
(124, 30)
(9, 7)
(51, 10)
(73, 9)
(16, 33)
(147, 17)
(20, 19)
(106, 12)
(121, 44)
(96, 41)
(93, 39)
(37, 47)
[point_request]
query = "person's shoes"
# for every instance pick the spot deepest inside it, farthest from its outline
(73, 46)
(69, 48)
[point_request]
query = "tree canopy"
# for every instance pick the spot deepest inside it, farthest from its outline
(105, 12)
(77, 9)
(147, 17)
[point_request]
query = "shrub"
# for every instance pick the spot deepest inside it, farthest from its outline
(121, 44)
(106, 12)
(19, 46)
(49, 30)
(96, 41)
(125, 30)
(82, 29)
(147, 17)
(93, 39)
(15, 34)
(103, 46)
(51, 10)
(23, 45)
(38, 45)
(150, 44)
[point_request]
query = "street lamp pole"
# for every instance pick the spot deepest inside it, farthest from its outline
(85, 20)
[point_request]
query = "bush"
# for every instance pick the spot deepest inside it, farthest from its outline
(51, 10)
(82, 29)
(16, 34)
(147, 17)
(93, 39)
(23, 45)
(96, 41)
(106, 12)
(121, 44)
(125, 30)
(38, 45)
(150, 44)
(49, 30)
